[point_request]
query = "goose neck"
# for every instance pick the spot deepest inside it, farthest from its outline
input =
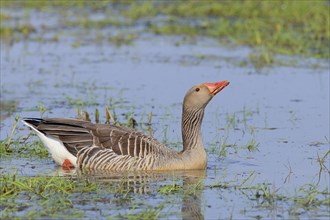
(191, 128)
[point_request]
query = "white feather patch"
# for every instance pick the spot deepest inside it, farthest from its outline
(55, 147)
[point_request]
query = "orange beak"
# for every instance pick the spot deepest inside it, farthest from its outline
(216, 87)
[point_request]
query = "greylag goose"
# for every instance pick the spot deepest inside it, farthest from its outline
(82, 144)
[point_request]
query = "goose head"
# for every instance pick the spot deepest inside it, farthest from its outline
(200, 95)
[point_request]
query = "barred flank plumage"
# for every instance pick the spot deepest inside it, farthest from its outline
(109, 147)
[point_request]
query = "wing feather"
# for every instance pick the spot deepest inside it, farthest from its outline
(78, 135)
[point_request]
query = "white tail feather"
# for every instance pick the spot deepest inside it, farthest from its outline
(55, 147)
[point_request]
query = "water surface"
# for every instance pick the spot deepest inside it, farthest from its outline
(281, 112)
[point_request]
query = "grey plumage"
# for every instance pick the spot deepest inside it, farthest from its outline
(103, 146)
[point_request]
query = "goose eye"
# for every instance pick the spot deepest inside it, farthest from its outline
(197, 89)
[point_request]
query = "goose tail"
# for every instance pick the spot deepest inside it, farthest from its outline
(53, 144)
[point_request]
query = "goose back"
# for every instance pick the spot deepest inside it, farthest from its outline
(105, 146)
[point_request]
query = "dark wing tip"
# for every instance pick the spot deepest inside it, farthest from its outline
(32, 121)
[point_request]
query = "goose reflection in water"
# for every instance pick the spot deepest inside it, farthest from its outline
(188, 182)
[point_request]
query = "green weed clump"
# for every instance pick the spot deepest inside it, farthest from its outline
(277, 26)
(305, 198)
(59, 197)
(19, 195)
(18, 146)
(19, 149)
(270, 27)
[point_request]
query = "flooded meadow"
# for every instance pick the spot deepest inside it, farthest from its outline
(267, 135)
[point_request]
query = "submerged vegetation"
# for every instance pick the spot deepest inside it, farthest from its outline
(57, 196)
(7, 108)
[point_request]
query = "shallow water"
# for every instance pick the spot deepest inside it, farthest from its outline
(284, 110)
